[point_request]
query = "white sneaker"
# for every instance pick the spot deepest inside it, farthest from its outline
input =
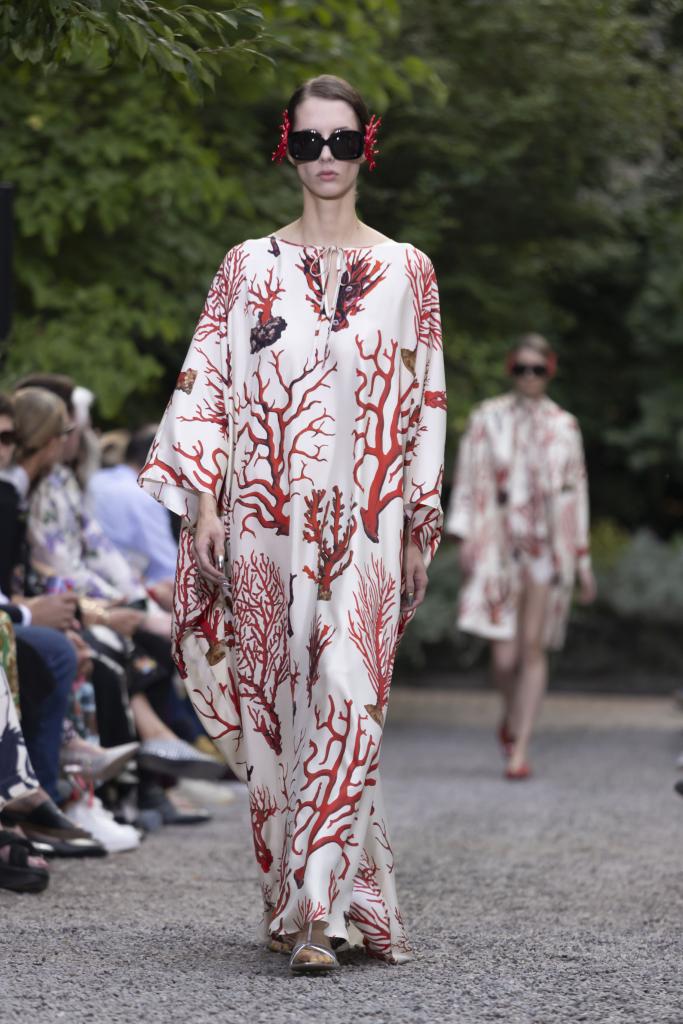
(89, 814)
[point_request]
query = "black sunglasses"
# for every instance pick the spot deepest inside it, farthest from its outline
(527, 369)
(8, 437)
(344, 145)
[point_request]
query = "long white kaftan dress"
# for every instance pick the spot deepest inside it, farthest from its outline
(319, 437)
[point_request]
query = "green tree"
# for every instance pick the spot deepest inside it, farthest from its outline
(188, 42)
(532, 147)
(128, 194)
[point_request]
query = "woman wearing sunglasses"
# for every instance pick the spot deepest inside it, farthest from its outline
(519, 507)
(304, 446)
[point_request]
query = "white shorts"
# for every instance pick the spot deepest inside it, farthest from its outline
(538, 568)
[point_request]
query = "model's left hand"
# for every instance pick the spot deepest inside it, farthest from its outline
(414, 582)
(588, 588)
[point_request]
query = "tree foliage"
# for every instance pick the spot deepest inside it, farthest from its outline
(188, 42)
(532, 147)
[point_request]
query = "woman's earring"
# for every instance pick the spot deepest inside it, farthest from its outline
(370, 150)
(280, 153)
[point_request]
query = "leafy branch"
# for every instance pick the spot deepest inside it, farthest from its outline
(186, 41)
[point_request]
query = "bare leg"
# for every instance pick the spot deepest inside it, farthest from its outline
(504, 664)
(148, 725)
(533, 670)
(26, 803)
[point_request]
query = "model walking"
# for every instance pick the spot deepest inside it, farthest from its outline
(304, 445)
(519, 507)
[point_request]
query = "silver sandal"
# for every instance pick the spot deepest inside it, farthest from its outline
(297, 966)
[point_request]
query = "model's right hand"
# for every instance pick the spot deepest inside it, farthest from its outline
(57, 611)
(466, 557)
(209, 540)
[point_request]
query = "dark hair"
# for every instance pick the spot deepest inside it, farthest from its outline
(536, 342)
(58, 383)
(329, 87)
(6, 406)
(139, 445)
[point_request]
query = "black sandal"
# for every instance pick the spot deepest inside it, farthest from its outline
(45, 820)
(16, 874)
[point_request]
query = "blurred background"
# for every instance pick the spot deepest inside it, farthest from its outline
(534, 148)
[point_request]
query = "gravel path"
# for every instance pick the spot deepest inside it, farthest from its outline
(552, 901)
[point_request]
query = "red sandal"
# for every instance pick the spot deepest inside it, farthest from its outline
(517, 774)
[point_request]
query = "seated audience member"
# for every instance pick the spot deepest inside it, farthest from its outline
(137, 524)
(21, 870)
(47, 659)
(69, 544)
(23, 801)
(68, 541)
(113, 444)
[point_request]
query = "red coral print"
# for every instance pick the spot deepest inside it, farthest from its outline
(212, 407)
(426, 318)
(374, 631)
(497, 593)
(383, 422)
(263, 660)
(307, 911)
(261, 300)
(332, 890)
(324, 525)
(197, 609)
(435, 399)
(223, 294)
(262, 807)
(207, 470)
(319, 640)
(361, 276)
(368, 910)
(204, 702)
(336, 771)
(281, 423)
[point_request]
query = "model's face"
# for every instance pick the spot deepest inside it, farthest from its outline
(326, 177)
(529, 383)
(52, 453)
(6, 446)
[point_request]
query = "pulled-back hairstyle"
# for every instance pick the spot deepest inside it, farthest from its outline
(39, 416)
(329, 87)
(6, 406)
(538, 344)
(59, 383)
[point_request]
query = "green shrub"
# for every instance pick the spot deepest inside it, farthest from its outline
(646, 582)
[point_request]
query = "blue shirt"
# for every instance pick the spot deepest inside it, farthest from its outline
(138, 525)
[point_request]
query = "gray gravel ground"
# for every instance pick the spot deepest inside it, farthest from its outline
(556, 900)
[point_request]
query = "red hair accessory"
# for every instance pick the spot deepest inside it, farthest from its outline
(371, 150)
(280, 153)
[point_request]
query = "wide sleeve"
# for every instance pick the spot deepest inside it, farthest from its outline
(191, 451)
(460, 506)
(426, 435)
(580, 481)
